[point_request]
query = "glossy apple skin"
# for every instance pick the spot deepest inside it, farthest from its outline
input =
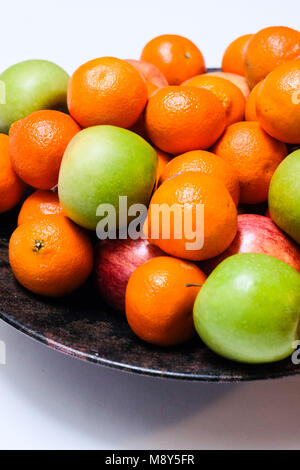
(100, 164)
(150, 72)
(115, 261)
(258, 234)
(29, 86)
(284, 195)
(248, 309)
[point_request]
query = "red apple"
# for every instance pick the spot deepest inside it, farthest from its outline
(268, 214)
(150, 72)
(258, 234)
(115, 261)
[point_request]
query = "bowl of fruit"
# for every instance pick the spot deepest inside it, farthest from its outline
(149, 209)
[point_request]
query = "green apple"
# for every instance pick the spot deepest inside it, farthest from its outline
(284, 195)
(100, 164)
(248, 309)
(29, 86)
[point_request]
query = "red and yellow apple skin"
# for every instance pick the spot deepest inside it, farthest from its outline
(115, 261)
(258, 234)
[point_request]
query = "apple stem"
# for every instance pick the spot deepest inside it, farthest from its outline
(193, 285)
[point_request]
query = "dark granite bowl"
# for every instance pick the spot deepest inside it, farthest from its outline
(83, 326)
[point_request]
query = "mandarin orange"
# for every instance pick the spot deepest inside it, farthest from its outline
(175, 56)
(159, 302)
(179, 119)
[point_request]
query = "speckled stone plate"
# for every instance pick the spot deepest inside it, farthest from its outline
(83, 326)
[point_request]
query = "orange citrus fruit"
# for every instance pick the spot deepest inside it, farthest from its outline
(11, 187)
(50, 256)
(182, 118)
(278, 103)
(254, 154)
(183, 233)
(250, 110)
(229, 94)
(237, 80)
(151, 88)
(39, 204)
(206, 163)
(106, 91)
(162, 161)
(175, 56)
(37, 144)
(268, 49)
(233, 58)
(159, 303)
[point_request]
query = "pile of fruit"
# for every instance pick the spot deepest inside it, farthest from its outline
(163, 132)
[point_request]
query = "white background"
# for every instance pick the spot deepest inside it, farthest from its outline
(49, 400)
